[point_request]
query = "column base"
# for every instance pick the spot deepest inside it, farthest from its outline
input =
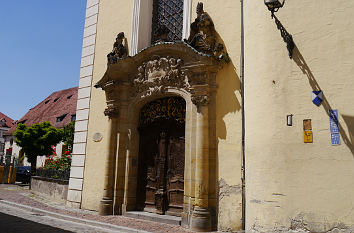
(106, 207)
(200, 220)
(185, 219)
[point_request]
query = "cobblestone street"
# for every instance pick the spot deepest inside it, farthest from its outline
(20, 202)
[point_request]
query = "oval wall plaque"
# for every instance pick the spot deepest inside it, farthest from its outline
(97, 137)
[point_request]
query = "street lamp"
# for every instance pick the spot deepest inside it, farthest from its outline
(274, 5)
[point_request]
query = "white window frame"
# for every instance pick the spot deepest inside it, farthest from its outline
(142, 19)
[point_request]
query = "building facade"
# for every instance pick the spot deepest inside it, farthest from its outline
(5, 124)
(163, 126)
(59, 109)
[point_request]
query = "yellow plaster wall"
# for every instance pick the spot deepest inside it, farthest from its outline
(290, 184)
(226, 16)
(114, 16)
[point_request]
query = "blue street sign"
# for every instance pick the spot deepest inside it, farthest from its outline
(335, 138)
(334, 126)
(317, 97)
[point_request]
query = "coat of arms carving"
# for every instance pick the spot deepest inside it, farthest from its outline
(158, 74)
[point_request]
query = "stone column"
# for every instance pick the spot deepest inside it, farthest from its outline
(200, 220)
(106, 204)
(121, 157)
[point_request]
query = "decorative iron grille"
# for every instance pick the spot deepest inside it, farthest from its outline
(170, 14)
(164, 108)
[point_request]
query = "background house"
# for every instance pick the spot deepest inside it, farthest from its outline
(5, 124)
(59, 109)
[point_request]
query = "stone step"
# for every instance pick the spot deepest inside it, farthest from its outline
(168, 219)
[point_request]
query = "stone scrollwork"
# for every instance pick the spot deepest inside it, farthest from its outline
(158, 74)
(200, 100)
(111, 111)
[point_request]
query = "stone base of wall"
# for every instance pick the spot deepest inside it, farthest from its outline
(56, 189)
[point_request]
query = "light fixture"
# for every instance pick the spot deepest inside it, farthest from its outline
(274, 5)
(289, 120)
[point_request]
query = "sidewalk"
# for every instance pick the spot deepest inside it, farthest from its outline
(21, 197)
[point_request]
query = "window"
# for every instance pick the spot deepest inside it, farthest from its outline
(167, 13)
(47, 101)
(61, 118)
(73, 117)
(3, 123)
(56, 100)
(2, 147)
(177, 15)
(69, 97)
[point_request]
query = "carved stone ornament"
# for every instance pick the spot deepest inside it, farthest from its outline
(156, 75)
(203, 35)
(160, 70)
(200, 100)
(111, 111)
(120, 50)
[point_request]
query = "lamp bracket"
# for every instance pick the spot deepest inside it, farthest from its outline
(287, 37)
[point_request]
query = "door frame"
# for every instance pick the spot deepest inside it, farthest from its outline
(145, 129)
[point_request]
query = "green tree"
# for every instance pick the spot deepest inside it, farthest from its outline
(37, 140)
(68, 135)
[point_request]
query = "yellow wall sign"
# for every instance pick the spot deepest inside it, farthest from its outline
(308, 136)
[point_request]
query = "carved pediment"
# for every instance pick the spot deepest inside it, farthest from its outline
(158, 68)
(158, 74)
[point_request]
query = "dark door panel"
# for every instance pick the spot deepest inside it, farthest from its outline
(161, 163)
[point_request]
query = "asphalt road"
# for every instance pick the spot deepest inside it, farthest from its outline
(12, 224)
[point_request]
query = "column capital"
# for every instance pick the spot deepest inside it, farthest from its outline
(200, 100)
(112, 111)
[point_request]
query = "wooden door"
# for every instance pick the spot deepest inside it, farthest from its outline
(175, 174)
(161, 167)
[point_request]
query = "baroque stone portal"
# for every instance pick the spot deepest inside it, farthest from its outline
(165, 70)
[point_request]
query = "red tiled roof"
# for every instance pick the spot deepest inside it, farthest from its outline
(8, 121)
(56, 105)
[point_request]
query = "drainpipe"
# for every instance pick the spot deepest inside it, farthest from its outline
(243, 169)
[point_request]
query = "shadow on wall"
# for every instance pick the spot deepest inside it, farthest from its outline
(349, 120)
(228, 83)
(301, 63)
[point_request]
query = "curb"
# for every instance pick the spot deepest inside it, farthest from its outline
(74, 219)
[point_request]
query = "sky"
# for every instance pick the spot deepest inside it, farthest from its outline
(40, 51)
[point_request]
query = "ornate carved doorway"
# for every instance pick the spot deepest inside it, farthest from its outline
(160, 187)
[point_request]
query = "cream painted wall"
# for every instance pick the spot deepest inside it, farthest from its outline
(290, 184)
(114, 16)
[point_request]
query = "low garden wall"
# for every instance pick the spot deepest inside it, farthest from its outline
(55, 188)
(53, 178)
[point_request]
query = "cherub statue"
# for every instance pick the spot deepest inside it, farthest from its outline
(120, 50)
